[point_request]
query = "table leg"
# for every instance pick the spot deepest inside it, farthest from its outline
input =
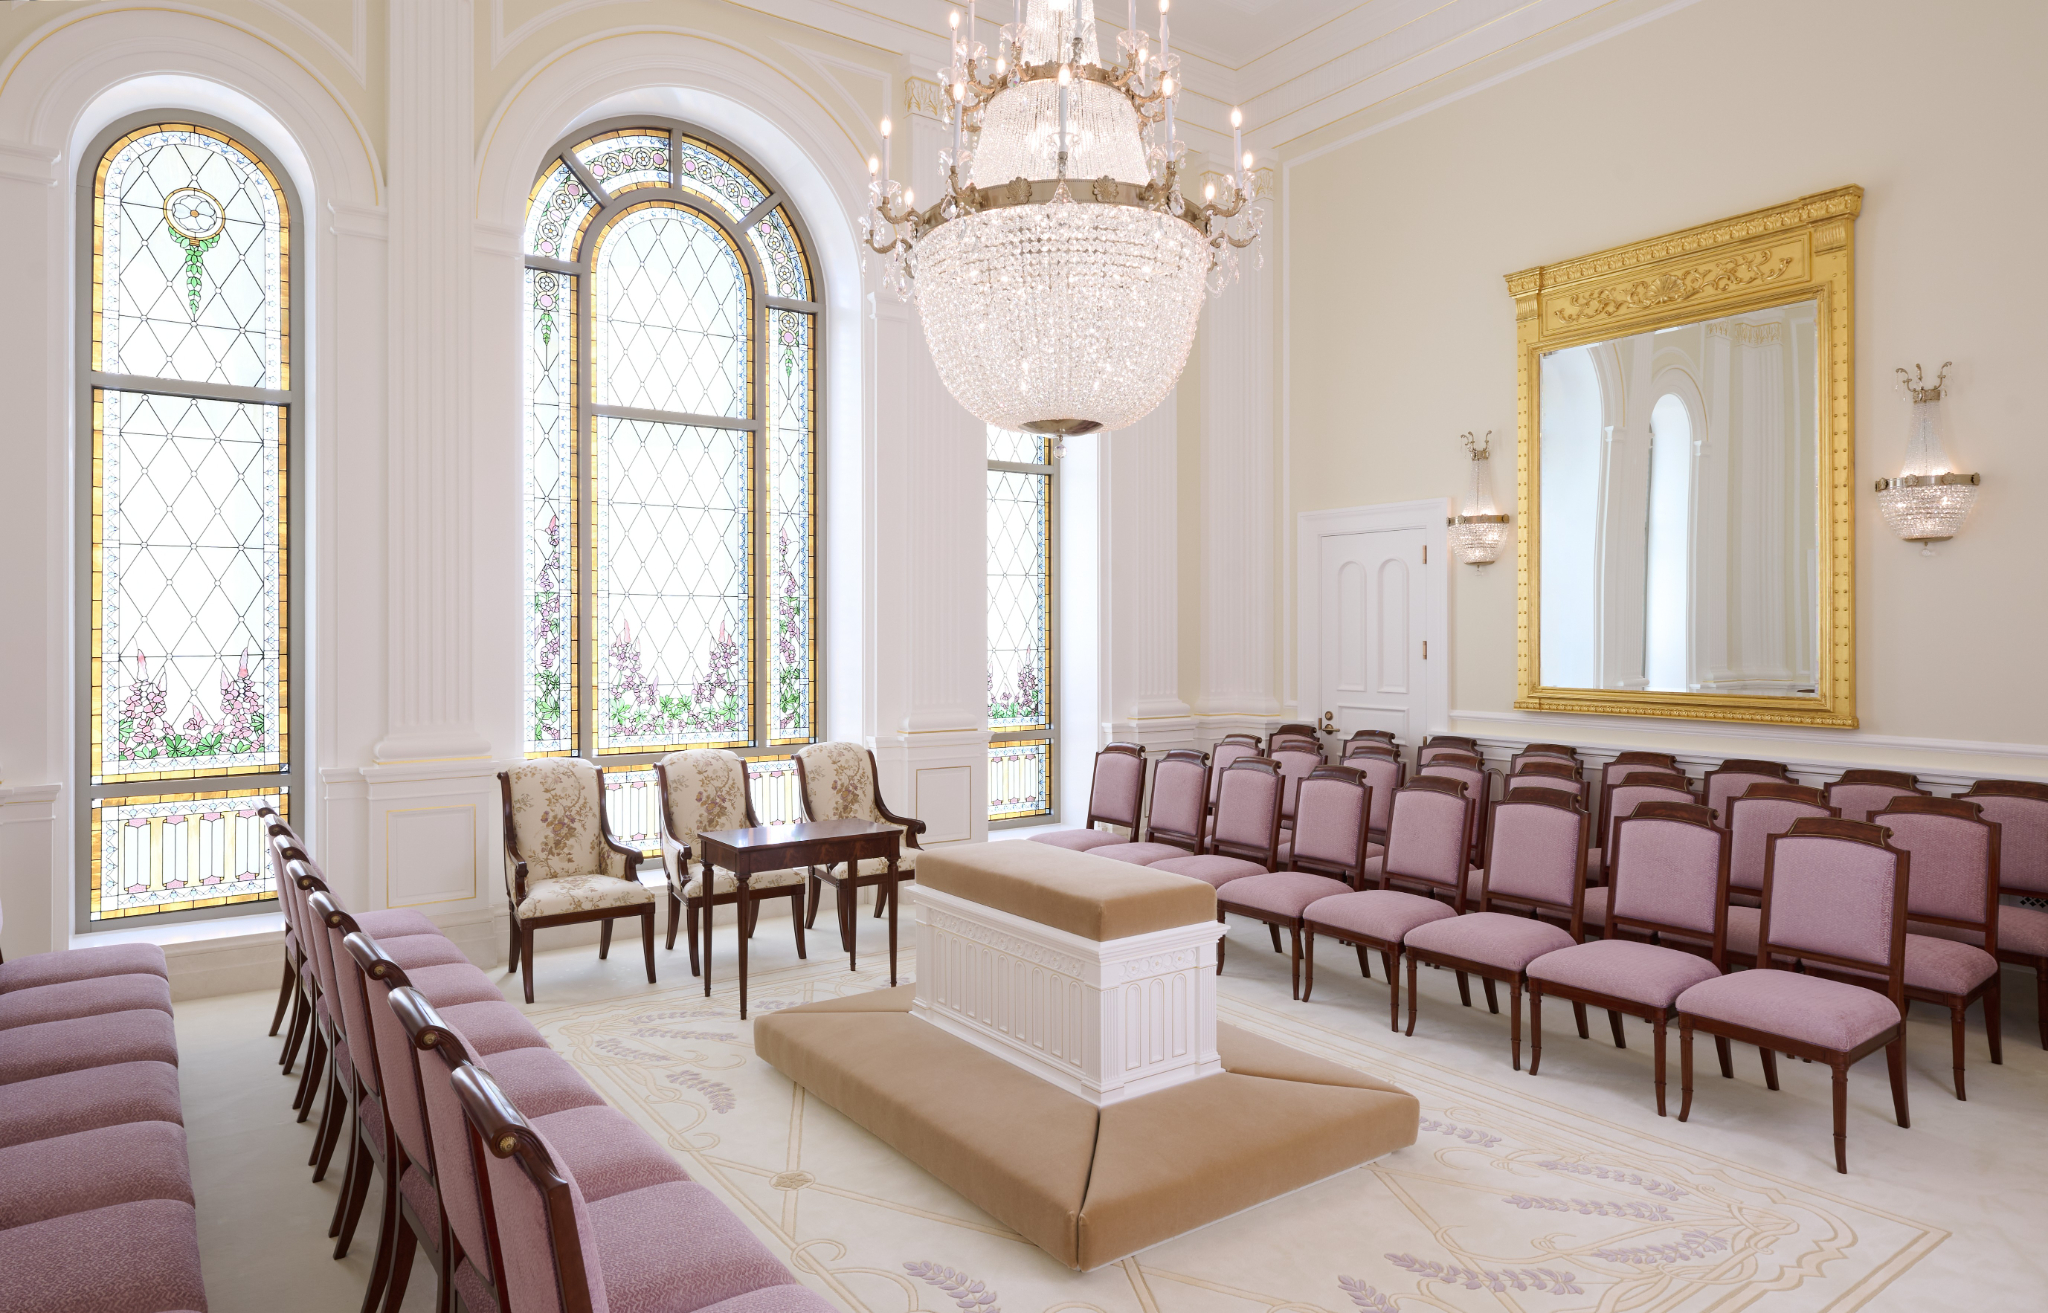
(742, 907)
(709, 908)
(891, 888)
(849, 915)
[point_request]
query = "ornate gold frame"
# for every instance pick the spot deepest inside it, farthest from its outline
(1801, 251)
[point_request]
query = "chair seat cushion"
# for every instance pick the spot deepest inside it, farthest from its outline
(674, 1248)
(93, 1169)
(453, 984)
(772, 1299)
(1080, 841)
(1140, 854)
(50, 1048)
(2022, 932)
(1212, 868)
(725, 882)
(1382, 915)
(493, 1027)
(71, 999)
(62, 1265)
(906, 863)
(87, 1100)
(1492, 939)
(1623, 968)
(539, 1081)
(1283, 894)
(82, 964)
(414, 951)
(607, 1152)
(392, 922)
(1940, 966)
(1825, 1013)
(581, 893)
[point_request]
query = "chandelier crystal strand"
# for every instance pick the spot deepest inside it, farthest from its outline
(1929, 501)
(1060, 276)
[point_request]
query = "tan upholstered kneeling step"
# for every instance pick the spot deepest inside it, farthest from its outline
(1087, 1187)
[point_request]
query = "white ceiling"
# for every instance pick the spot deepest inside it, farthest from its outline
(1234, 33)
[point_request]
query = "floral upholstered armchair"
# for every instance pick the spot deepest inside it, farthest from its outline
(838, 783)
(562, 865)
(705, 789)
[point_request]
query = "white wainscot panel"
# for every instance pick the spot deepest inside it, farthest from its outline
(943, 794)
(430, 855)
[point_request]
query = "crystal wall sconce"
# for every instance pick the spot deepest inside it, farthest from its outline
(1928, 502)
(1476, 536)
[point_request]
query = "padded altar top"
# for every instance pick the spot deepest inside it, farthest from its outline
(1094, 897)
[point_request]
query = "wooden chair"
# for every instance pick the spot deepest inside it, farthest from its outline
(1326, 857)
(839, 782)
(705, 789)
(1860, 792)
(2020, 808)
(1116, 796)
(1732, 778)
(1177, 822)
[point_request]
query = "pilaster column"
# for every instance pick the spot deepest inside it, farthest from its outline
(1140, 623)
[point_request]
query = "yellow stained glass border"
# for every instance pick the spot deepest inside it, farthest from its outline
(282, 794)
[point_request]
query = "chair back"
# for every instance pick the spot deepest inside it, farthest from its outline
(837, 781)
(1557, 752)
(1546, 773)
(1835, 895)
(1248, 811)
(1536, 855)
(1635, 763)
(340, 979)
(1299, 730)
(2020, 808)
(1429, 831)
(1732, 778)
(1227, 751)
(1372, 747)
(390, 1050)
(438, 1050)
(1955, 862)
(702, 789)
(554, 809)
(1180, 800)
(1634, 790)
(1331, 811)
(291, 900)
(1859, 793)
(1768, 808)
(1296, 760)
(542, 1239)
(1241, 737)
(1478, 782)
(1116, 795)
(1385, 736)
(1668, 873)
(1383, 775)
(315, 938)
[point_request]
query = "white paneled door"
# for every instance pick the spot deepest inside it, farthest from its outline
(1373, 634)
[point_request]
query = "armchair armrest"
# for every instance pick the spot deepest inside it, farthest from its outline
(912, 826)
(632, 855)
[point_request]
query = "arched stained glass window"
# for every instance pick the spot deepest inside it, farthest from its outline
(190, 407)
(1020, 564)
(671, 466)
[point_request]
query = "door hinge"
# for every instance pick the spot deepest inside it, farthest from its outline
(1425, 649)
(1425, 553)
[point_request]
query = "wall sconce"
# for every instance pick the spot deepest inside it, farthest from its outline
(1477, 535)
(1928, 502)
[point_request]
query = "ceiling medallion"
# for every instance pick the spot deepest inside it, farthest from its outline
(1061, 275)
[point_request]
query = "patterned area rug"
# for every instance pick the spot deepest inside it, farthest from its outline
(1514, 1198)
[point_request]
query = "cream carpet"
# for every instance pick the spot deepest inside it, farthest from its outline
(1558, 1192)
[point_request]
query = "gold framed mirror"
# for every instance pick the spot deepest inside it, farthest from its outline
(1686, 540)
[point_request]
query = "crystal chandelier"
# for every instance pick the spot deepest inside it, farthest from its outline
(1477, 535)
(1928, 502)
(1060, 276)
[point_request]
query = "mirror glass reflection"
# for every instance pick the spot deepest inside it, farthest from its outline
(1680, 508)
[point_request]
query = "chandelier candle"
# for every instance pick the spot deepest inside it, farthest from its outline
(1059, 275)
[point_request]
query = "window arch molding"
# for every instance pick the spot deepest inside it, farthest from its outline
(670, 305)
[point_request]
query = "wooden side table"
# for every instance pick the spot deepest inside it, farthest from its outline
(810, 844)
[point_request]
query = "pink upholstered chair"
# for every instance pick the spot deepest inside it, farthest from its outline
(1954, 888)
(1115, 797)
(1861, 792)
(1229, 749)
(289, 994)
(1428, 827)
(1385, 773)
(1766, 809)
(2020, 809)
(1624, 765)
(562, 865)
(1670, 876)
(704, 790)
(1178, 820)
(1327, 856)
(1469, 770)
(1440, 743)
(1562, 753)
(1547, 773)
(1834, 898)
(1296, 759)
(1732, 778)
(1618, 800)
(1535, 864)
(285, 847)
(1245, 838)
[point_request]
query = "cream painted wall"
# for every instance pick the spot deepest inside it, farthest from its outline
(1399, 332)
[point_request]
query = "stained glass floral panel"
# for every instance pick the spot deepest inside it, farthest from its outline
(188, 550)
(1019, 779)
(556, 213)
(781, 255)
(550, 511)
(672, 573)
(619, 160)
(670, 316)
(174, 852)
(191, 262)
(1019, 619)
(718, 178)
(792, 393)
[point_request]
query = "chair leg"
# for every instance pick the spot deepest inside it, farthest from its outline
(297, 1036)
(817, 895)
(1535, 1026)
(690, 929)
(1614, 1024)
(1514, 1020)
(1841, 1069)
(512, 953)
(1308, 963)
(1659, 1024)
(1390, 959)
(1579, 1017)
(348, 1183)
(647, 938)
(1492, 999)
(401, 1267)
(604, 939)
(2041, 998)
(316, 1064)
(359, 1190)
(284, 997)
(675, 912)
(444, 1270)
(1274, 926)
(1364, 963)
(796, 918)
(1726, 1052)
(1895, 1059)
(326, 1116)
(1684, 1067)
(526, 959)
(882, 896)
(1411, 995)
(387, 1231)
(1464, 985)
(337, 1093)
(1955, 1031)
(1770, 1069)
(1991, 1007)
(1223, 942)
(1294, 961)
(300, 1003)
